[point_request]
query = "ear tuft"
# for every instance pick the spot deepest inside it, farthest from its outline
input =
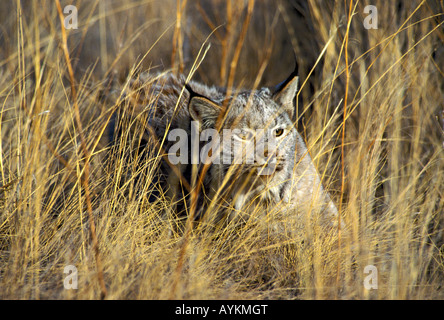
(285, 92)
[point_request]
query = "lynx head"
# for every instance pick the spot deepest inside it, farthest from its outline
(256, 131)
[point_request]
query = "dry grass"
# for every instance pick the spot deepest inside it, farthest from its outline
(371, 111)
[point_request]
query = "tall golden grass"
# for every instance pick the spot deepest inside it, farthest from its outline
(370, 109)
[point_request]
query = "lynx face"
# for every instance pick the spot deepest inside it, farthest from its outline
(257, 144)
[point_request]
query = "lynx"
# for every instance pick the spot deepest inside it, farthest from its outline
(222, 130)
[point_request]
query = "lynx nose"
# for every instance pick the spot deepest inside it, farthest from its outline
(267, 157)
(268, 154)
(263, 156)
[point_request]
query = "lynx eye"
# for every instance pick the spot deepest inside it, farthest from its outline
(278, 132)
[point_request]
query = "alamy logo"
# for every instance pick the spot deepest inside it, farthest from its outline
(371, 281)
(232, 146)
(70, 21)
(70, 282)
(371, 21)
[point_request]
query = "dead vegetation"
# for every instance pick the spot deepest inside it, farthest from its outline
(370, 109)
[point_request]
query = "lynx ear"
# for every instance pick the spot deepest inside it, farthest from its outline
(285, 92)
(204, 110)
